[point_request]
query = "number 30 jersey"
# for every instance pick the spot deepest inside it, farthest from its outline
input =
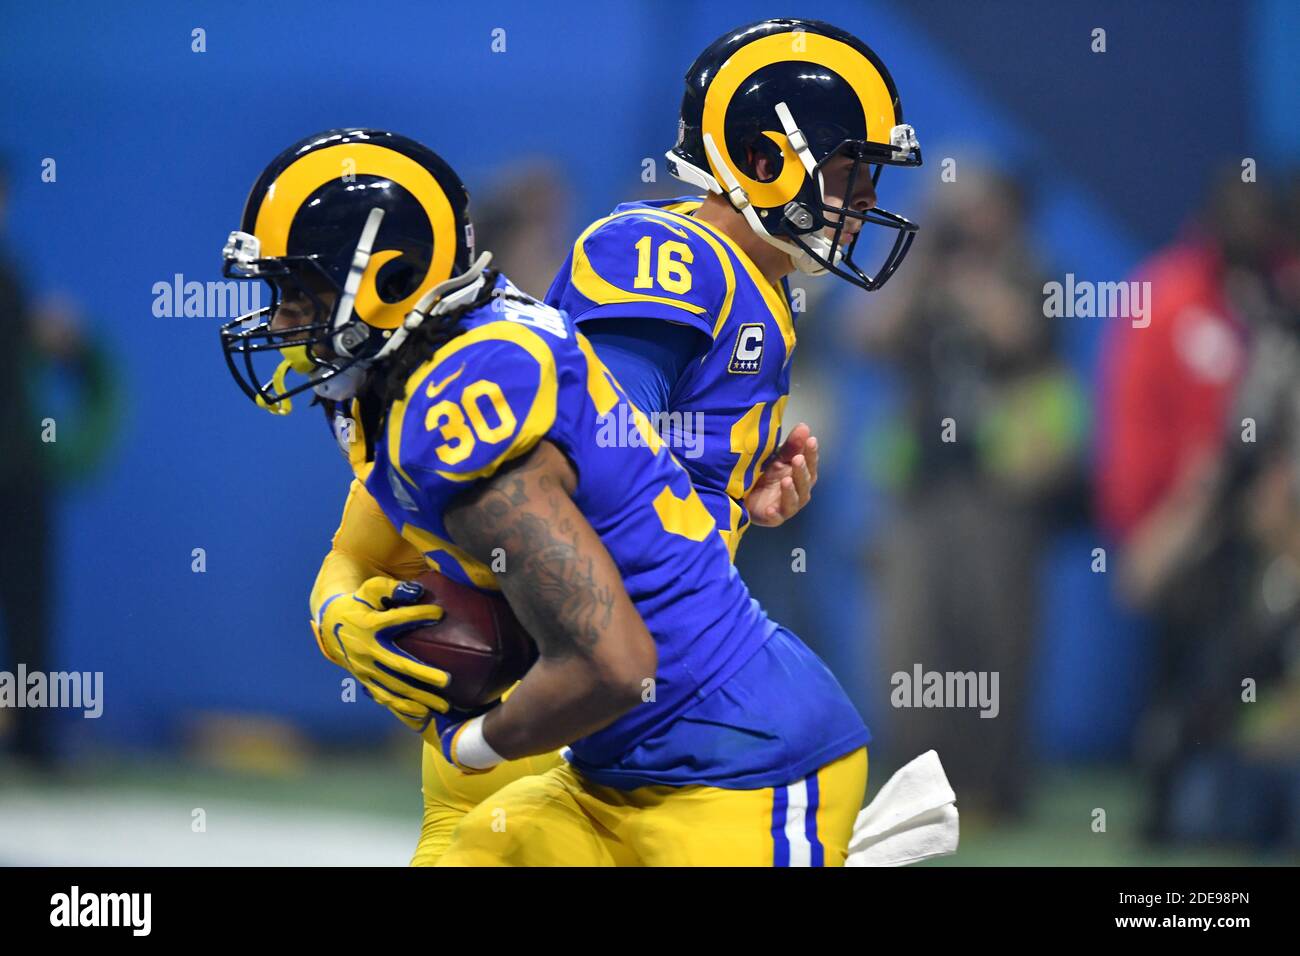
(729, 704)
(654, 260)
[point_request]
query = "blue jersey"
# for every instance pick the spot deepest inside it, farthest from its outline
(654, 260)
(736, 700)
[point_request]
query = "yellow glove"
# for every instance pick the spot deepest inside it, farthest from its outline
(357, 631)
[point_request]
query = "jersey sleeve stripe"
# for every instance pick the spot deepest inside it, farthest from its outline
(479, 574)
(728, 271)
(684, 208)
(775, 299)
(596, 288)
(356, 450)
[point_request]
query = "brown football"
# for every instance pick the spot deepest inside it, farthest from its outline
(479, 642)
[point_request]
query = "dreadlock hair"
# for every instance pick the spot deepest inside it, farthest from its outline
(387, 384)
(433, 334)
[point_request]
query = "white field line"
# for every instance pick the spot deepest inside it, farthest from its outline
(144, 828)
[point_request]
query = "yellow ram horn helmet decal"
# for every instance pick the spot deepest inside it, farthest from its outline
(798, 46)
(303, 177)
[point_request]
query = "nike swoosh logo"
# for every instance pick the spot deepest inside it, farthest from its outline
(436, 387)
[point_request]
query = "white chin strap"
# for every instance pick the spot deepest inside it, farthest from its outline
(739, 200)
(342, 342)
(442, 298)
(820, 244)
(340, 386)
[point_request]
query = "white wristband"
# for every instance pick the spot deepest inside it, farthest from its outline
(471, 749)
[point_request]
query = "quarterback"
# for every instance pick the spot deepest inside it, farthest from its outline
(686, 302)
(697, 730)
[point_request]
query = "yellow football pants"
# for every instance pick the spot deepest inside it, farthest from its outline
(559, 818)
(449, 795)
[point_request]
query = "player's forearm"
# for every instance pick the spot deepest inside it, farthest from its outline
(596, 655)
(556, 704)
(595, 651)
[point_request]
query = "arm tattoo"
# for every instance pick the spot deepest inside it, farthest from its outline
(551, 584)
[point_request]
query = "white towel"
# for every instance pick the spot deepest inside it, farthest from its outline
(913, 817)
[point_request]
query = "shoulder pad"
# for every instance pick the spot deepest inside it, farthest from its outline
(486, 397)
(653, 263)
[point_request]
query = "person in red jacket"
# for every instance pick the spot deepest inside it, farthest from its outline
(1178, 467)
(1166, 389)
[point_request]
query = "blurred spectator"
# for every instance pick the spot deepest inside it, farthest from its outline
(1199, 480)
(960, 560)
(523, 222)
(44, 349)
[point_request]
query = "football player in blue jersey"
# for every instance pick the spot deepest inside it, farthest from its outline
(686, 301)
(786, 126)
(698, 730)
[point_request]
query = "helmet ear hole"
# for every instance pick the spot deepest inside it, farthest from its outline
(764, 159)
(396, 280)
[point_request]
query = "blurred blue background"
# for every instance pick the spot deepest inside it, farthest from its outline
(157, 145)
